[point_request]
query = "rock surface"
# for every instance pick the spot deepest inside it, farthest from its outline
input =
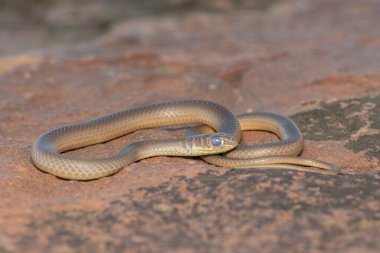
(317, 61)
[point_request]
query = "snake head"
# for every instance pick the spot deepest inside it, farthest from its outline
(213, 143)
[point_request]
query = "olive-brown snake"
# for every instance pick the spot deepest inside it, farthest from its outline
(47, 149)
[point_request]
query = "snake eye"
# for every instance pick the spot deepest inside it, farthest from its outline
(216, 142)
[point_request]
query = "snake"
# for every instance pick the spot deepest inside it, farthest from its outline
(219, 133)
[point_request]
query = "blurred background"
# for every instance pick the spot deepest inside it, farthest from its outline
(27, 24)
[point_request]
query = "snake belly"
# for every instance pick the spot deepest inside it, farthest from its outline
(47, 149)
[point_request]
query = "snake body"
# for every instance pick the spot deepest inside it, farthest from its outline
(281, 154)
(48, 148)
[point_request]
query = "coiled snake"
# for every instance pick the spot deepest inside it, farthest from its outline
(47, 149)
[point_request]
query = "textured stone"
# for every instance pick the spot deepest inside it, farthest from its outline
(317, 61)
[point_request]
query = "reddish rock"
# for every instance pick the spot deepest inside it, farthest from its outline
(317, 61)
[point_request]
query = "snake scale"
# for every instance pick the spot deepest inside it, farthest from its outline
(222, 135)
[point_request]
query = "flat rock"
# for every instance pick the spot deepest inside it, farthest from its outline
(316, 61)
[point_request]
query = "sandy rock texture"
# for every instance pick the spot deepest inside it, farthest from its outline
(316, 61)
